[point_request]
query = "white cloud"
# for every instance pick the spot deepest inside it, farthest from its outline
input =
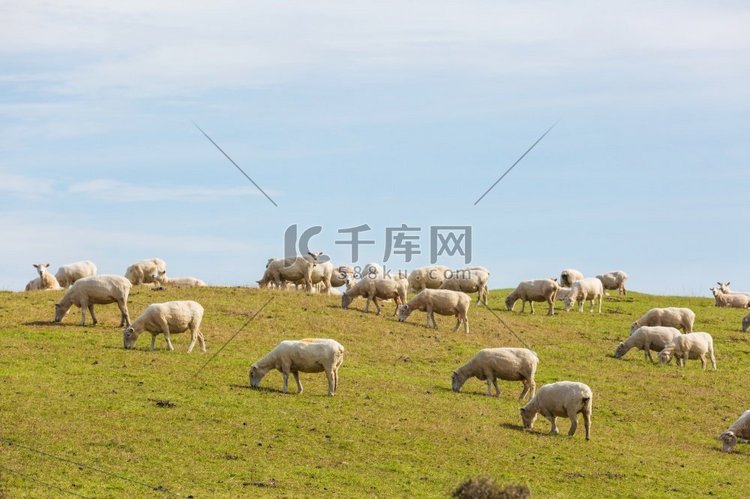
(24, 186)
(116, 191)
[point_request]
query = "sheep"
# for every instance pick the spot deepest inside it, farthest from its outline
(96, 290)
(290, 269)
(468, 281)
(740, 429)
(562, 294)
(689, 346)
(371, 271)
(564, 398)
(307, 356)
(537, 290)
(676, 317)
(46, 280)
(647, 338)
(430, 277)
(341, 275)
(68, 274)
(372, 289)
(745, 323)
(167, 318)
(585, 289)
(34, 284)
(569, 276)
(142, 272)
(442, 301)
(724, 287)
(614, 280)
(177, 282)
(510, 364)
(733, 300)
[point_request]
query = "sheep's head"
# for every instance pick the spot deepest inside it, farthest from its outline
(745, 323)
(60, 312)
(724, 286)
(256, 375)
(634, 327)
(346, 300)
(620, 350)
(728, 441)
(159, 276)
(568, 303)
(403, 312)
(715, 291)
(665, 357)
(456, 382)
(41, 268)
(528, 417)
(128, 337)
(509, 302)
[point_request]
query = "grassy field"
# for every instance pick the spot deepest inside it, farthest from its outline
(394, 429)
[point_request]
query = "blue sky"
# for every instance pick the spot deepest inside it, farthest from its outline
(381, 113)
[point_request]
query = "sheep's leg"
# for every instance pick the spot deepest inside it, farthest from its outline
(124, 315)
(432, 317)
(299, 383)
(573, 424)
(591, 309)
(647, 352)
(466, 324)
(193, 339)
(551, 303)
(458, 323)
(202, 341)
(377, 306)
(703, 361)
(153, 341)
(367, 305)
(553, 421)
(331, 382)
(84, 306)
(497, 388)
(285, 377)
(587, 422)
(91, 311)
(713, 359)
(685, 358)
(600, 304)
(169, 340)
(526, 388)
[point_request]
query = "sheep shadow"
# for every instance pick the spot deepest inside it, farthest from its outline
(518, 428)
(51, 323)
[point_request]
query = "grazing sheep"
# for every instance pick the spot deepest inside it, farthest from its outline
(740, 429)
(564, 398)
(724, 287)
(509, 364)
(569, 276)
(689, 346)
(648, 338)
(530, 291)
(585, 289)
(372, 289)
(177, 282)
(733, 300)
(745, 323)
(167, 318)
(307, 356)
(96, 290)
(430, 277)
(142, 272)
(614, 280)
(290, 269)
(676, 317)
(46, 280)
(469, 281)
(562, 294)
(442, 301)
(70, 273)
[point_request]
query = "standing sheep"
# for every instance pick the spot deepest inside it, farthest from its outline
(142, 272)
(689, 346)
(569, 276)
(292, 269)
(538, 290)
(585, 289)
(167, 318)
(372, 289)
(733, 300)
(509, 364)
(96, 290)
(647, 338)
(469, 281)
(740, 429)
(564, 398)
(430, 277)
(68, 274)
(442, 301)
(676, 317)
(307, 356)
(614, 280)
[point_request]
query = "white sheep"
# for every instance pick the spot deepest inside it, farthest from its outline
(442, 301)
(473, 280)
(585, 289)
(46, 280)
(614, 280)
(34, 285)
(745, 323)
(96, 290)
(341, 276)
(307, 356)
(491, 364)
(569, 276)
(739, 429)
(733, 300)
(724, 287)
(372, 289)
(163, 280)
(371, 271)
(141, 272)
(562, 294)
(291, 269)
(167, 318)
(68, 274)
(430, 277)
(539, 290)
(689, 346)
(647, 338)
(677, 317)
(564, 398)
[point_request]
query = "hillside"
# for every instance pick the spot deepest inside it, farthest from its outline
(394, 429)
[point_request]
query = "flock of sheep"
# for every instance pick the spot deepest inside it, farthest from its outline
(438, 290)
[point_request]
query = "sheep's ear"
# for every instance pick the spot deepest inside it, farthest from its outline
(728, 283)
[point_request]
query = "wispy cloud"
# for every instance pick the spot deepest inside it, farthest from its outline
(116, 191)
(24, 185)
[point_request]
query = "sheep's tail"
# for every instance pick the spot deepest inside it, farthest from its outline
(586, 402)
